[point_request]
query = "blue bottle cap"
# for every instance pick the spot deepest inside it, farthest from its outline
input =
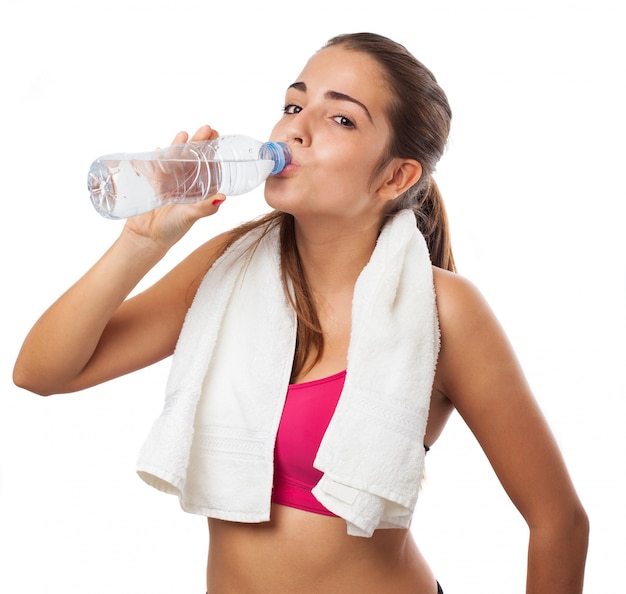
(278, 152)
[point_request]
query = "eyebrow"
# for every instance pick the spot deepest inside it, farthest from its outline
(336, 96)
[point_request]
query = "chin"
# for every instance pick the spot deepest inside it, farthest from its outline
(277, 198)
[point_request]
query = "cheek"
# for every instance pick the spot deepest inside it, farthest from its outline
(356, 167)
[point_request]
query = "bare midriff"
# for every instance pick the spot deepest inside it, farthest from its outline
(303, 552)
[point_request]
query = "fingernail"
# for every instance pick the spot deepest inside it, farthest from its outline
(217, 202)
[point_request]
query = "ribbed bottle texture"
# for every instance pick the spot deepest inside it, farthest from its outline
(123, 185)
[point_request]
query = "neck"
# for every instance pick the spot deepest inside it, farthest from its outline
(333, 256)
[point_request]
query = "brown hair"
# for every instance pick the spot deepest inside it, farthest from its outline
(420, 119)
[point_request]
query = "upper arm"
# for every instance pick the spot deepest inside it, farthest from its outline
(479, 373)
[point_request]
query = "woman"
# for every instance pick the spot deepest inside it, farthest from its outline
(366, 124)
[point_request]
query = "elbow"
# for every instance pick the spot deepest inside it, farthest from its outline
(575, 524)
(570, 523)
(582, 524)
(42, 380)
(577, 532)
(576, 521)
(25, 380)
(32, 388)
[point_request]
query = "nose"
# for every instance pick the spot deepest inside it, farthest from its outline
(298, 130)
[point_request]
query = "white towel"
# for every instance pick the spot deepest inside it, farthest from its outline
(213, 445)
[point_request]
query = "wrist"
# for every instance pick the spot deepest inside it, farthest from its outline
(141, 247)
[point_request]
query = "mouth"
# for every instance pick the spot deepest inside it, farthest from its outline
(293, 166)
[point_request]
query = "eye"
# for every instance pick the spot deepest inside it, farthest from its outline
(291, 109)
(344, 121)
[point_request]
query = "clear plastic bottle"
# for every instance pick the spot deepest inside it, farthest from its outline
(123, 185)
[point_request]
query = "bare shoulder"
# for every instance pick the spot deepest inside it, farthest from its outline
(465, 319)
(476, 355)
(457, 297)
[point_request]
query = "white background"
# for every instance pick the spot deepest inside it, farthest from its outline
(534, 183)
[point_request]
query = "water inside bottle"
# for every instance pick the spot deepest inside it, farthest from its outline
(122, 188)
(239, 177)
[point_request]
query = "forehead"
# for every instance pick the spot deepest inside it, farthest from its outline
(353, 73)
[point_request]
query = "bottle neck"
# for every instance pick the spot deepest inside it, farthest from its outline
(278, 152)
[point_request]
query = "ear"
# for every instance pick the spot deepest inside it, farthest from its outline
(398, 177)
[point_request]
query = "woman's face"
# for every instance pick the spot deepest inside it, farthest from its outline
(336, 125)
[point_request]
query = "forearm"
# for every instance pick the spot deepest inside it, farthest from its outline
(556, 556)
(61, 343)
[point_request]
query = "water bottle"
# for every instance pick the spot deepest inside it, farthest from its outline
(123, 185)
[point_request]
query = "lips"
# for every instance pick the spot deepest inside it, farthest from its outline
(293, 166)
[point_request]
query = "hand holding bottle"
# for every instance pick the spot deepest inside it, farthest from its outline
(164, 226)
(174, 174)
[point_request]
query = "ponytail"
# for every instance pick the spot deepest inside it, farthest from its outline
(425, 200)
(432, 221)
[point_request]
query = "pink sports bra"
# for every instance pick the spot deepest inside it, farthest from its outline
(308, 409)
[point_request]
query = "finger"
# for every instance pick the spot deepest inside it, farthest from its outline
(217, 200)
(204, 208)
(204, 133)
(180, 138)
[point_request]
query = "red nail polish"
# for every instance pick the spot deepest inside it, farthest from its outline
(217, 202)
